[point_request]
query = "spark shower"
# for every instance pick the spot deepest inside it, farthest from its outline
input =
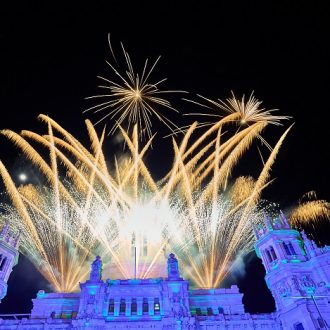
(112, 206)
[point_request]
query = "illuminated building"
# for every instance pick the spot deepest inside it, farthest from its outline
(297, 273)
(8, 257)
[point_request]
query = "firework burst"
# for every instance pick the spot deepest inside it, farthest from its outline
(309, 210)
(244, 112)
(132, 99)
(121, 213)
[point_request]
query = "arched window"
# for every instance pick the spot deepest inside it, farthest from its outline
(111, 306)
(272, 252)
(122, 306)
(209, 311)
(134, 306)
(269, 256)
(145, 306)
(221, 311)
(288, 247)
(156, 306)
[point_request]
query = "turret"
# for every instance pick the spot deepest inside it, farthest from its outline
(8, 256)
(277, 243)
(297, 274)
(310, 247)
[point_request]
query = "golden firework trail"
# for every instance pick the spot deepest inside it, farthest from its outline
(247, 112)
(91, 205)
(240, 111)
(309, 209)
(131, 99)
(120, 212)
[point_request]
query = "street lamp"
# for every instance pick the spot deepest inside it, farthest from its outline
(311, 296)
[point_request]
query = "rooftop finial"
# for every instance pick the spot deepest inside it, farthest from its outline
(310, 246)
(173, 272)
(267, 222)
(16, 239)
(4, 230)
(96, 269)
(255, 231)
(284, 220)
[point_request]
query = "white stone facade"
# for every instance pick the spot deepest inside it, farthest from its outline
(297, 274)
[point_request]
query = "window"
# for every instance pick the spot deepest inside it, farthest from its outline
(299, 326)
(221, 311)
(289, 250)
(286, 248)
(156, 306)
(269, 256)
(145, 306)
(122, 306)
(272, 251)
(111, 306)
(290, 246)
(198, 311)
(209, 311)
(2, 264)
(134, 306)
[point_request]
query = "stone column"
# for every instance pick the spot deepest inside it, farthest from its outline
(139, 306)
(265, 260)
(151, 306)
(117, 305)
(128, 302)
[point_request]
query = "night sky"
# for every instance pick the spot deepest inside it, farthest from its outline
(50, 57)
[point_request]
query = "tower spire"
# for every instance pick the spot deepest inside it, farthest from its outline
(255, 231)
(16, 239)
(284, 220)
(267, 222)
(4, 230)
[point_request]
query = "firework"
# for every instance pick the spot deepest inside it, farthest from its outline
(241, 189)
(131, 99)
(121, 213)
(245, 112)
(309, 209)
